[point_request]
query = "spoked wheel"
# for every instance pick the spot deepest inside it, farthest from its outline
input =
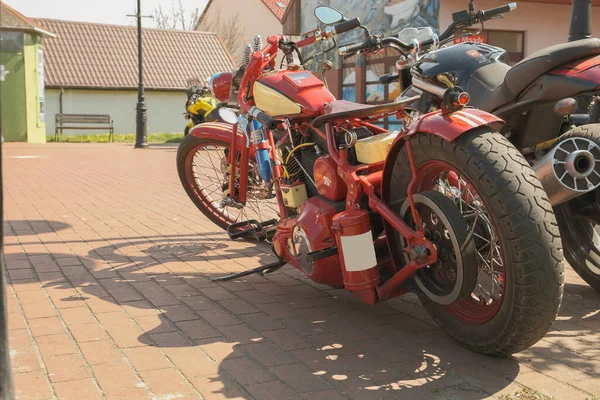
(518, 275)
(581, 243)
(204, 171)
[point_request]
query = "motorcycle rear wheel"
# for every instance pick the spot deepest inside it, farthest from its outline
(520, 273)
(581, 243)
(202, 165)
(581, 236)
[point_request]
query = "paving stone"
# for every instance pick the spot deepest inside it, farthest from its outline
(32, 386)
(112, 271)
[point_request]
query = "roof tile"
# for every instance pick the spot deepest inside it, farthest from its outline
(97, 55)
(274, 6)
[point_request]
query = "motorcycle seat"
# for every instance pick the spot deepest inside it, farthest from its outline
(497, 84)
(339, 110)
(543, 61)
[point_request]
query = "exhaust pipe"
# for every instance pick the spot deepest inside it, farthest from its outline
(571, 168)
(581, 20)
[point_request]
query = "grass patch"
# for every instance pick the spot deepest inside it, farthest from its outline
(118, 138)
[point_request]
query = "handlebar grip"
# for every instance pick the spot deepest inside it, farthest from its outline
(353, 48)
(347, 26)
(487, 14)
(267, 121)
(388, 78)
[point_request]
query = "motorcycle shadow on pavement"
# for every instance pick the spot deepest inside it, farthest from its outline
(283, 326)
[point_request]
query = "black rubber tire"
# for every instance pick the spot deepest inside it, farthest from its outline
(186, 131)
(189, 143)
(579, 249)
(527, 230)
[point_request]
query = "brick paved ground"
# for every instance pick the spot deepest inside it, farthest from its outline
(109, 298)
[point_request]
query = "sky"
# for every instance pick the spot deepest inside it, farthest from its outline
(104, 11)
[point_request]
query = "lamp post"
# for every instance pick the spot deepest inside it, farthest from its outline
(6, 387)
(141, 133)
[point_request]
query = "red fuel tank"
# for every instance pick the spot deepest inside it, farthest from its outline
(283, 93)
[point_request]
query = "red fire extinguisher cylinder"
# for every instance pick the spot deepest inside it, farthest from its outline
(357, 251)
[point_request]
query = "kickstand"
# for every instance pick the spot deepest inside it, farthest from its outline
(262, 270)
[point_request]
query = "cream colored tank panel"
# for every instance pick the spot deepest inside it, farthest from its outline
(375, 148)
(274, 103)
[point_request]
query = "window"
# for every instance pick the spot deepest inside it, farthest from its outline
(366, 71)
(511, 41)
(11, 41)
(349, 71)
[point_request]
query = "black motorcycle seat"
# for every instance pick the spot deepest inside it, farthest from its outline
(497, 84)
(539, 63)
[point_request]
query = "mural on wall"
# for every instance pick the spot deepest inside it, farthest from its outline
(386, 17)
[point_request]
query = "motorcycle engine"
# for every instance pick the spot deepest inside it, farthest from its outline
(312, 232)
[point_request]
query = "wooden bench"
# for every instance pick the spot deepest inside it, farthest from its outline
(83, 121)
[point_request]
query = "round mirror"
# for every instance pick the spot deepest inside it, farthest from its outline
(328, 15)
(228, 115)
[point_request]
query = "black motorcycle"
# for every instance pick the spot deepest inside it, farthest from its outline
(558, 135)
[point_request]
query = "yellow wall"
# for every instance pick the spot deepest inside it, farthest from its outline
(36, 129)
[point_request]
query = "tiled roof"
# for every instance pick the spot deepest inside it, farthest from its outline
(275, 7)
(105, 56)
(12, 19)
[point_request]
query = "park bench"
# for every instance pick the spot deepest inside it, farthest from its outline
(83, 121)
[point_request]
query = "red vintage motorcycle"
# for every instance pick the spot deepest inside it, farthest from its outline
(446, 207)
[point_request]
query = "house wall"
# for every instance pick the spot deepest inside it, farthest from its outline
(252, 16)
(544, 24)
(165, 109)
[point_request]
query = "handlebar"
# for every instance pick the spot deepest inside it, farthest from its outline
(264, 119)
(347, 26)
(488, 14)
(267, 121)
(330, 31)
(354, 48)
(462, 20)
(388, 78)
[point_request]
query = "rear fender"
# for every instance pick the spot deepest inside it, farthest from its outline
(450, 126)
(219, 131)
(446, 126)
(587, 69)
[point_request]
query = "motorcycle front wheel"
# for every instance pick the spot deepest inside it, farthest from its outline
(520, 276)
(204, 171)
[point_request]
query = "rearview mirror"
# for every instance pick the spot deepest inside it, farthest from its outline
(228, 115)
(328, 15)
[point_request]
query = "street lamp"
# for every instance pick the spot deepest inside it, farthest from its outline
(141, 117)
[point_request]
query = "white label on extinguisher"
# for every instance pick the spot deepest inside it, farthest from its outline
(359, 252)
